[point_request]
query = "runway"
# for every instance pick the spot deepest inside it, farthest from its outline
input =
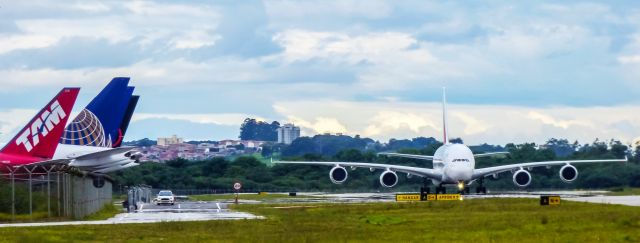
(219, 210)
(150, 213)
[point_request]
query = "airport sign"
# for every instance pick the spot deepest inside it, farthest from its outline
(407, 197)
(237, 186)
(443, 197)
(549, 200)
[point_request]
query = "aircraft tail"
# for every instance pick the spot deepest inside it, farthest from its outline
(99, 123)
(445, 132)
(133, 102)
(39, 138)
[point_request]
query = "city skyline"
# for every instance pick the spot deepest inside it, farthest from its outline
(515, 72)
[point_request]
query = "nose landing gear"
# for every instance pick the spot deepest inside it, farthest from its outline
(462, 189)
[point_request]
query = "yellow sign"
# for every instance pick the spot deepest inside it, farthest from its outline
(262, 193)
(431, 197)
(448, 197)
(554, 200)
(407, 197)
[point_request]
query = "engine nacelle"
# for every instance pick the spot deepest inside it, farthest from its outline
(98, 182)
(388, 179)
(568, 173)
(522, 178)
(338, 175)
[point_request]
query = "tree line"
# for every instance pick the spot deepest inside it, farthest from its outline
(221, 173)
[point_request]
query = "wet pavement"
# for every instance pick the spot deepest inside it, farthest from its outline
(150, 213)
(219, 210)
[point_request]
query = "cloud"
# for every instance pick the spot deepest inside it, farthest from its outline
(473, 123)
(548, 120)
(635, 59)
(176, 25)
(217, 119)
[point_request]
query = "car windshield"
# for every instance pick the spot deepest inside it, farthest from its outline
(164, 193)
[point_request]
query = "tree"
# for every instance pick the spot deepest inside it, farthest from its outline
(251, 129)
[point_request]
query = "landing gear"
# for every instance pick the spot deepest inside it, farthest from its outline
(481, 189)
(425, 189)
(441, 190)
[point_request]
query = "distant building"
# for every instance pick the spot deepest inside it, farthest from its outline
(169, 141)
(287, 133)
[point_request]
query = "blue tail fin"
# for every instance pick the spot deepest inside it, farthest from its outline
(99, 123)
(133, 102)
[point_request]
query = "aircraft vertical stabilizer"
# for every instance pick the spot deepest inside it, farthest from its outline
(39, 138)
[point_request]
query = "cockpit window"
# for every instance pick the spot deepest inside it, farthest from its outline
(460, 160)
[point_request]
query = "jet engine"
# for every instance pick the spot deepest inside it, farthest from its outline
(388, 179)
(133, 155)
(338, 175)
(522, 178)
(568, 173)
(98, 182)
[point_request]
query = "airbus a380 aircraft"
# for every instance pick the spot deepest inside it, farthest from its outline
(453, 164)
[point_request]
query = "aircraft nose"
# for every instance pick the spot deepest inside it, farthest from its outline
(458, 173)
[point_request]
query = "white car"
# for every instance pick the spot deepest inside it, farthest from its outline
(165, 197)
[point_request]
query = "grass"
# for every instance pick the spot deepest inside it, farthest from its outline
(487, 220)
(107, 212)
(20, 218)
(242, 196)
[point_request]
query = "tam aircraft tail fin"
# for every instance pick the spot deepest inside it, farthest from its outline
(39, 138)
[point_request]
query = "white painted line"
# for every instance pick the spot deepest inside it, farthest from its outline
(178, 206)
(218, 205)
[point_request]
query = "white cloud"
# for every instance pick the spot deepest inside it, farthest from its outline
(182, 26)
(147, 72)
(230, 119)
(92, 7)
(13, 119)
(549, 120)
(302, 45)
(635, 59)
(287, 9)
(473, 123)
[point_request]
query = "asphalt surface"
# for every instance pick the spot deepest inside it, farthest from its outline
(151, 213)
(219, 210)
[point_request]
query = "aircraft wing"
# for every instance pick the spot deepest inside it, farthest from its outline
(489, 154)
(479, 173)
(410, 156)
(47, 163)
(422, 172)
(105, 153)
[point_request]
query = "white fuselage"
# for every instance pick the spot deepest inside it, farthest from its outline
(455, 162)
(67, 151)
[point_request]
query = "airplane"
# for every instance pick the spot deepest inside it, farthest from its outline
(91, 142)
(36, 143)
(453, 164)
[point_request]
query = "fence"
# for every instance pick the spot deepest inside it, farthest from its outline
(65, 192)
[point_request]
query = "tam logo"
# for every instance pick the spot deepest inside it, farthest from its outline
(42, 125)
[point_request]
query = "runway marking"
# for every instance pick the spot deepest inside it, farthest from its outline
(178, 206)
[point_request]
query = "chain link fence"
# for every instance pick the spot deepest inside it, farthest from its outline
(38, 192)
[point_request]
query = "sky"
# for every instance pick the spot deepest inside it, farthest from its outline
(515, 71)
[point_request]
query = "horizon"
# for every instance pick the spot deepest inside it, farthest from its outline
(514, 72)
